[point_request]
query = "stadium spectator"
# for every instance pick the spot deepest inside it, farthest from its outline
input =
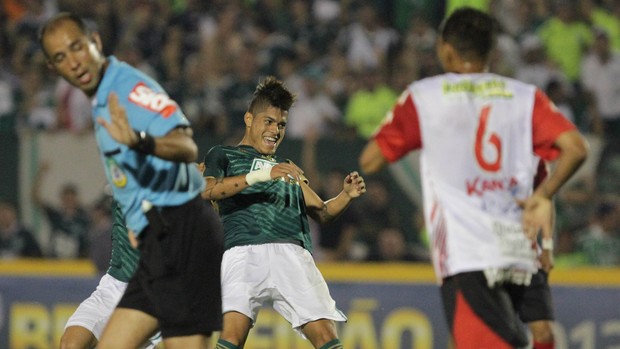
(99, 234)
(391, 246)
(375, 214)
(600, 17)
(600, 241)
(69, 221)
(452, 5)
(566, 38)
(366, 41)
(368, 105)
(338, 79)
(238, 87)
(608, 170)
(270, 44)
(600, 76)
(8, 96)
(536, 68)
(15, 240)
(315, 111)
(336, 239)
(200, 99)
(558, 94)
(72, 108)
(38, 104)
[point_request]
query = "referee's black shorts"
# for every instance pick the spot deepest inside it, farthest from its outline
(178, 275)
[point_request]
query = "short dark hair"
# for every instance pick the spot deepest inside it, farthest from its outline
(59, 18)
(271, 92)
(471, 32)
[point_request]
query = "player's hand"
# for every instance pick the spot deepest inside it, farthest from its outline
(287, 171)
(201, 167)
(119, 128)
(133, 240)
(537, 216)
(354, 185)
(546, 260)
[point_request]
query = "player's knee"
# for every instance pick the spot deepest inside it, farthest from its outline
(542, 334)
(320, 332)
(77, 337)
(69, 342)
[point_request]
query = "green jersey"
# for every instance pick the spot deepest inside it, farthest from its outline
(267, 212)
(124, 257)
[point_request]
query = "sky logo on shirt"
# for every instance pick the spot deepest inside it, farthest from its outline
(145, 97)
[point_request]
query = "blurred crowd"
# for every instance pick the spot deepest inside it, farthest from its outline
(347, 61)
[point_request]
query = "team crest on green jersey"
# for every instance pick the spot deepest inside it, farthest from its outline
(259, 164)
(117, 175)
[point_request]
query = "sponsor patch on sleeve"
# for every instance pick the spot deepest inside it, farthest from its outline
(157, 102)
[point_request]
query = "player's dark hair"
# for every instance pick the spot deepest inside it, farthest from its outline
(471, 32)
(271, 92)
(57, 20)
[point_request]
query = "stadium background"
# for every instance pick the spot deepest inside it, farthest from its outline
(389, 305)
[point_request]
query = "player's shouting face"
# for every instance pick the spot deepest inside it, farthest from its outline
(266, 129)
(74, 55)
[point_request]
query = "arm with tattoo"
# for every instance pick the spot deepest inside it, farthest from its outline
(223, 187)
(326, 211)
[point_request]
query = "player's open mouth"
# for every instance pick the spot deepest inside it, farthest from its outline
(270, 140)
(84, 78)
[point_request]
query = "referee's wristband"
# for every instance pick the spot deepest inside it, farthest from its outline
(262, 175)
(145, 144)
(546, 244)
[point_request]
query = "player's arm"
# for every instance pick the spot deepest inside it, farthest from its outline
(176, 145)
(218, 188)
(326, 211)
(539, 207)
(223, 187)
(372, 159)
(398, 135)
(573, 152)
(553, 135)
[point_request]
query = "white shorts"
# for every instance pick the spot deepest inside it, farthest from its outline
(282, 275)
(95, 311)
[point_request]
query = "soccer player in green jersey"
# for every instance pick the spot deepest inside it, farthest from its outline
(84, 327)
(264, 202)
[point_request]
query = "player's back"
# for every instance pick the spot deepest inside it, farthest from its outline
(477, 159)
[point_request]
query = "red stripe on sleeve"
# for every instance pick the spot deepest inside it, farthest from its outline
(548, 123)
(400, 132)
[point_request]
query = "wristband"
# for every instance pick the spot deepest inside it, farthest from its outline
(262, 175)
(145, 144)
(547, 244)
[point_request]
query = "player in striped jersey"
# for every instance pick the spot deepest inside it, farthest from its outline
(85, 326)
(264, 201)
